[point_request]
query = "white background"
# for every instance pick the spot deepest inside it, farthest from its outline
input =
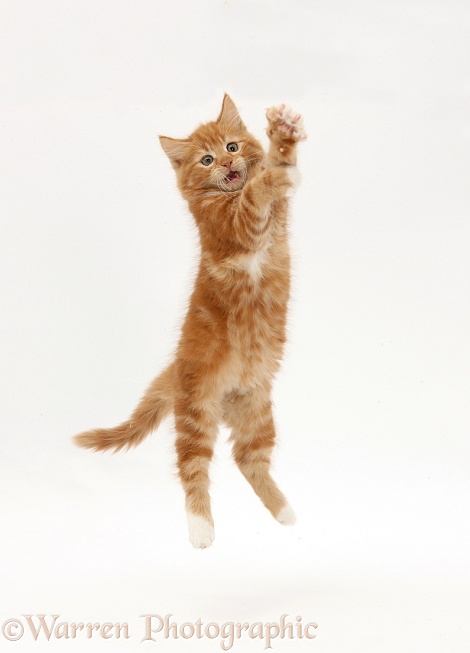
(97, 257)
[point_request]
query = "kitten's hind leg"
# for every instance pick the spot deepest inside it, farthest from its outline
(253, 435)
(196, 429)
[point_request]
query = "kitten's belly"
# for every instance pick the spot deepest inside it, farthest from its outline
(256, 347)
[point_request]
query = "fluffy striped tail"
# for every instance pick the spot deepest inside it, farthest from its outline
(154, 406)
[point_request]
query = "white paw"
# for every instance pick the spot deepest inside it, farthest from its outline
(295, 178)
(201, 532)
(286, 516)
(287, 122)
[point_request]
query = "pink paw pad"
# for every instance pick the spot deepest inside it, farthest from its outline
(287, 122)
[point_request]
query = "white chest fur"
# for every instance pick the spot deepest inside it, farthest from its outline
(253, 263)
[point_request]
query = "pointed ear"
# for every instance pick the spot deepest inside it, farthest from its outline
(229, 114)
(176, 150)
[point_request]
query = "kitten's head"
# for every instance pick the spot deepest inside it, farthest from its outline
(217, 156)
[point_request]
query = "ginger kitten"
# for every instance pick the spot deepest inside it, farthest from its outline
(232, 338)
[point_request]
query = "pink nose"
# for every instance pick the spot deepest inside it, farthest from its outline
(227, 164)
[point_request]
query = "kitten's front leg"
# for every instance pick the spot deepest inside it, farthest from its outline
(276, 181)
(253, 212)
(285, 129)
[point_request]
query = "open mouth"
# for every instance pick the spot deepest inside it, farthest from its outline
(233, 175)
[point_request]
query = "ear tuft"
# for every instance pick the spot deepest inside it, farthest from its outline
(229, 115)
(176, 149)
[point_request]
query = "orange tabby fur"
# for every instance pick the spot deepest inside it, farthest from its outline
(233, 336)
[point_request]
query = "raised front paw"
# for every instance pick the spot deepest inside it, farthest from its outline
(285, 124)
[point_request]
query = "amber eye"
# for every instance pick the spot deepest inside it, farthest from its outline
(232, 147)
(207, 160)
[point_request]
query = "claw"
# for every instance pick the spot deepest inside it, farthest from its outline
(286, 122)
